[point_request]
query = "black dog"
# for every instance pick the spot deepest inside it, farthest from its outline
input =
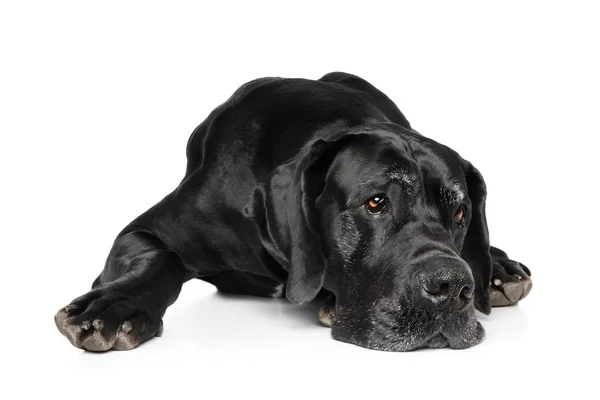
(302, 187)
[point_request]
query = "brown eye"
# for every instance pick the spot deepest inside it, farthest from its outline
(459, 216)
(376, 204)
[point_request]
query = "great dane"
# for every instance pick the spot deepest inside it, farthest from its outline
(300, 188)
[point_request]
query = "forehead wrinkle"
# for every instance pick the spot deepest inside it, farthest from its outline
(401, 174)
(453, 193)
(449, 187)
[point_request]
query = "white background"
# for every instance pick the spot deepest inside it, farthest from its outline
(97, 100)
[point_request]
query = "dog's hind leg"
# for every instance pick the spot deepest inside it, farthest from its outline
(125, 307)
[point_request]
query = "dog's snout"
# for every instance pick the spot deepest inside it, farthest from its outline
(447, 287)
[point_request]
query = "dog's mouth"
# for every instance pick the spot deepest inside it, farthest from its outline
(439, 341)
(404, 329)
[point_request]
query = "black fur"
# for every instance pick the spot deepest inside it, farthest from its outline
(273, 196)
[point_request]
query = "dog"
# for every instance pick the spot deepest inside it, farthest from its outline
(300, 188)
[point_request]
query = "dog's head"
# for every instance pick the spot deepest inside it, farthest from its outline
(390, 222)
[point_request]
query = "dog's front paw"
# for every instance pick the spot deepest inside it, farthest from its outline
(102, 320)
(511, 280)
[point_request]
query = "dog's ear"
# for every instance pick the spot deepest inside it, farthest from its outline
(476, 247)
(283, 209)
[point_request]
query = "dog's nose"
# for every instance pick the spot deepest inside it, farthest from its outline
(447, 287)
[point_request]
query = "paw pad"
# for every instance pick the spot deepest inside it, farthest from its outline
(509, 293)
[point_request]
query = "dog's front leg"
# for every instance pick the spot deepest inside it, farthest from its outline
(511, 280)
(125, 307)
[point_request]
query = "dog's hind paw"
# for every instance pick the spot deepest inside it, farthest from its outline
(327, 312)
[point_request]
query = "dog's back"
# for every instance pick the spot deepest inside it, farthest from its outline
(261, 126)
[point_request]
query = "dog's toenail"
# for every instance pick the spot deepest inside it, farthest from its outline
(497, 282)
(327, 315)
(69, 308)
(98, 324)
(85, 325)
(127, 327)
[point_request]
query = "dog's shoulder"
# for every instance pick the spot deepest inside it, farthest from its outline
(380, 99)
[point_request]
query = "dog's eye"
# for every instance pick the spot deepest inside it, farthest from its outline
(459, 217)
(376, 204)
